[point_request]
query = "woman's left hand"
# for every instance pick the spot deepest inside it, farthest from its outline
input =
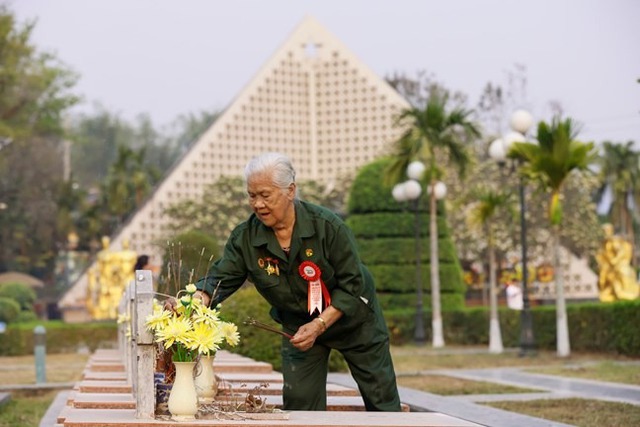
(306, 335)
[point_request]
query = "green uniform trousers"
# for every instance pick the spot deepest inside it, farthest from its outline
(305, 376)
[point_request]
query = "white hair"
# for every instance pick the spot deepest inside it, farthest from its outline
(278, 164)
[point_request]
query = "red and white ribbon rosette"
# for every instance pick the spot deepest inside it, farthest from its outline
(317, 289)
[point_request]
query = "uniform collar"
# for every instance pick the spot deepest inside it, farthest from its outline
(303, 228)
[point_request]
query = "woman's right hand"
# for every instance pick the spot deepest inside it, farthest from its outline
(203, 296)
(170, 304)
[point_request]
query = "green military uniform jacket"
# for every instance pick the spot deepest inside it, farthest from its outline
(320, 236)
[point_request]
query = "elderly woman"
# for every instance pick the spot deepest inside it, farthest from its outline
(303, 260)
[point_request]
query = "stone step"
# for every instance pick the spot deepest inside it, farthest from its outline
(106, 367)
(105, 386)
(103, 376)
(102, 400)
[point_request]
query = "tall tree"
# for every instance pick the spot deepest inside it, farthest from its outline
(549, 163)
(34, 94)
(33, 85)
(126, 185)
(489, 203)
(96, 139)
(433, 134)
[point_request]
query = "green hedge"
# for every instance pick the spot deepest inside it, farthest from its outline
(402, 278)
(593, 327)
(390, 301)
(402, 250)
(370, 193)
(392, 224)
(61, 337)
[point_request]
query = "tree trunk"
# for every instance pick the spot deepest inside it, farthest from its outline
(562, 327)
(495, 335)
(436, 322)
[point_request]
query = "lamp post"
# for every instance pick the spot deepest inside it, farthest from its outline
(410, 191)
(521, 121)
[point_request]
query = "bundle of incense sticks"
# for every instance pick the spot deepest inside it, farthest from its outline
(254, 322)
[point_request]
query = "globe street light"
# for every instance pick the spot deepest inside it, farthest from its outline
(410, 191)
(521, 121)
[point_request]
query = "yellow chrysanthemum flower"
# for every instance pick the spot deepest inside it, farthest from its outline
(230, 332)
(205, 339)
(190, 328)
(157, 320)
(206, 315)
(176, 329)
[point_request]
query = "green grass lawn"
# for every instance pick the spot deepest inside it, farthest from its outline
(26, 409)
(578, 412)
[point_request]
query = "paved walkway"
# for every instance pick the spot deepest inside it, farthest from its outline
(554, 387)
(469, 407)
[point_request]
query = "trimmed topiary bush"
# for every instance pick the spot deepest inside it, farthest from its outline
(385, 233)
(21, 293)
(9, 310)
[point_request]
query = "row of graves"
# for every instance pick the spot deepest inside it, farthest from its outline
(122, 387)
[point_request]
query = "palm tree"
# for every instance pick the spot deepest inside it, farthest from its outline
(431, 132)
(489, 203)
(550, 162)
(620, 176)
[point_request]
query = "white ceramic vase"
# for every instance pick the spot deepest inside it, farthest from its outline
(183, 399)
(205, 379)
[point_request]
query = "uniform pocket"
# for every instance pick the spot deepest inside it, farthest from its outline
(262, 280)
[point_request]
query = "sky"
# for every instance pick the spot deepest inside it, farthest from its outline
(167, 58)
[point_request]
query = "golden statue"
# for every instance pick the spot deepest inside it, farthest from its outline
(617, 279)
(108, 278)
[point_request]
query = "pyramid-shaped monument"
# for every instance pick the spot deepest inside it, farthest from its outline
(313, 100)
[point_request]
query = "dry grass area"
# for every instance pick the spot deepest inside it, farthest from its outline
(448, 386)
(59, 368)
(412, 359)
(577, 412)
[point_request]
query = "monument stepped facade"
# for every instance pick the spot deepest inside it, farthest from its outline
(313, 100)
